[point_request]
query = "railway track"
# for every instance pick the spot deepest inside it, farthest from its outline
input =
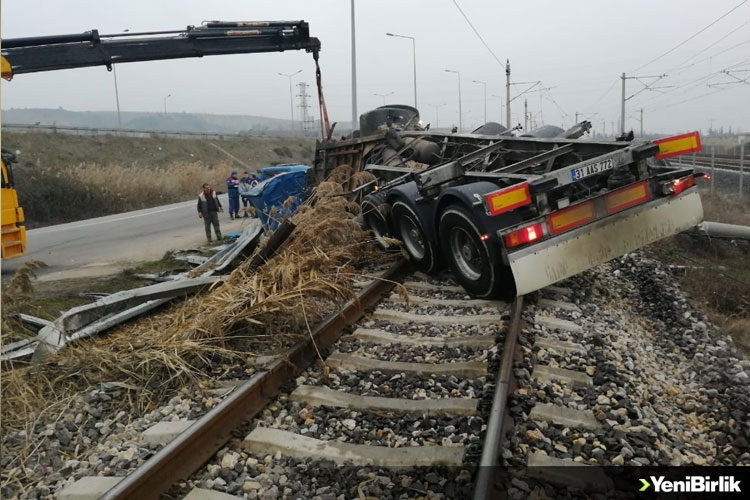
(724, 162)
(448, 397)
(425, 364)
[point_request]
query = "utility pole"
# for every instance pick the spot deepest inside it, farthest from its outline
(437, 114)
(485, 97)
(641, 122)
(622, 110)
(460, 112)
(355, 124)
(576, 123)
(646, 86)
(525, 115)
(304, 115)
(507, 92)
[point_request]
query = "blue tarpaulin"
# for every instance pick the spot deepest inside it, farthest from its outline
(274, 192)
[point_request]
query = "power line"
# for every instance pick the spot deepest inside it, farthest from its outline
(480, 36)
(690, 37)
(689, 85)
(604, 94)
(692, 56)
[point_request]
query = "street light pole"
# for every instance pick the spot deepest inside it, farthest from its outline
(117, 97)
(460, 113)
(414, 60)
(485, 97)
(354, 75)
(291, 98)
(437, 113)
(383, 96)
(501, 99)
(165, 102)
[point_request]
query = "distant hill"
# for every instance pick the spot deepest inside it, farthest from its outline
(169, 122)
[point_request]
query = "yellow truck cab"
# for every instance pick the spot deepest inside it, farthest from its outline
(13, 232)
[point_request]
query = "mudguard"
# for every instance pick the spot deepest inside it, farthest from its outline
(470, 196)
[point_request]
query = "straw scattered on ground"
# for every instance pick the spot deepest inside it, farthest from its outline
(254, 309)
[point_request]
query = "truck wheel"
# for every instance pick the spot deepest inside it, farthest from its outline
(409, 230)
(475, 263)
(374, 218)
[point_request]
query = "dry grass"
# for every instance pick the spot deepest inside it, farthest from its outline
(306, 279)
(98, 190)
(107, 174)
(717, 272)
(727, 208)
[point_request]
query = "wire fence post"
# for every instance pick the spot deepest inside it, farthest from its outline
(742, 163)
(713, 168)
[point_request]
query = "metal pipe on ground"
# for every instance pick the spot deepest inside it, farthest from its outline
(721, 230)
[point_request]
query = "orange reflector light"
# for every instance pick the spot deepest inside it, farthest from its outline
(569, 218)
(626, 197)
(509, 198)
(484, 237)
(678, 145)
(523, 235)
(706, 176)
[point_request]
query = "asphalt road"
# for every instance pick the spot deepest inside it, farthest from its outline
(106, 245)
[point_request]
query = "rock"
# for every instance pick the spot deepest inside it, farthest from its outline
(349, 423)
(580, 441)
(249, 486)
(271, 493)
(432, 478)
(561, 448)
(534, 434)
(672, 391)
(618, 460)
(603, 400)
(517, 483)
(229, 460)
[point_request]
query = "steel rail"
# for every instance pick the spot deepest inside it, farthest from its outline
(190, 450)
(485, 486)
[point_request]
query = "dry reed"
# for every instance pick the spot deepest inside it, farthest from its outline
(309, 277)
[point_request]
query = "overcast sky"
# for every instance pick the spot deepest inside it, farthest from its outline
(577, 48)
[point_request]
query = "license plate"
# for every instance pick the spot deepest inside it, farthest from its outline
(592, 168)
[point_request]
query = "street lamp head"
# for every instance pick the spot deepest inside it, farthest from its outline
(390, 34)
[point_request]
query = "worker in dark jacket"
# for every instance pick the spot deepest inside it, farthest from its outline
(209, 207)
(233, 190)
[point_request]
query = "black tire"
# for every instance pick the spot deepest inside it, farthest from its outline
(475, 263)
(409, 230)
(375, 219)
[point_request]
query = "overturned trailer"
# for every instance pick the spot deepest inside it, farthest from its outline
(510, 215)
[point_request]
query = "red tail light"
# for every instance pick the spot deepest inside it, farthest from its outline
(677, 186)
(523, 235)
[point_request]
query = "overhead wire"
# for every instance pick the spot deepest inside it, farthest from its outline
(692, 56)
(690, 37)
(478, 35)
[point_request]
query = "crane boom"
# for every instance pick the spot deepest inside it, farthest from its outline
(80, 50)
(45, 53)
